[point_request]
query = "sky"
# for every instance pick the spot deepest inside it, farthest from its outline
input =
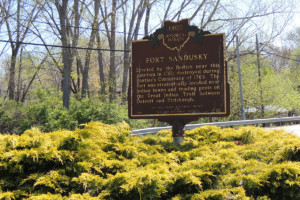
(155, 22)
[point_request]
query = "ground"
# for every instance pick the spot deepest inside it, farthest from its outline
(291, 128)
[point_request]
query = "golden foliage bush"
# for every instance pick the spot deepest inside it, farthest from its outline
(103, 162)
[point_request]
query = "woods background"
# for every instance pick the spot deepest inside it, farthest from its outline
(75, 54)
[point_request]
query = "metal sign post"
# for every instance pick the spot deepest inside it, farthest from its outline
(240, 78)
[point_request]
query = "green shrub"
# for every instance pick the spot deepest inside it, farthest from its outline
(45, 111)
(11, 114)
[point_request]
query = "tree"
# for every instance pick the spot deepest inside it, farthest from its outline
(295, 60)
(135, 14)
(66, 28)
(73, 25)
(100, 65)
(95, 26)
(18, 16)
(37, 68)
(66, 52)
(216, 16)
(111, 36)
(279, 93)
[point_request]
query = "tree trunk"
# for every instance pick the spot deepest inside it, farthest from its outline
(112, 45)
(85, 74)
(66, 79)
(85, 77)
(62, 11)
(126, 71)
(78, 74)
(19, 83)
(167, 10)
(100, 66)
(12, 72)
(147, 17)
(15, 50)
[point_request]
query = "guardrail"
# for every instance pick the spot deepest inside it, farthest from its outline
(221, 124)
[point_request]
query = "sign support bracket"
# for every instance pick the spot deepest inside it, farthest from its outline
(178, 131)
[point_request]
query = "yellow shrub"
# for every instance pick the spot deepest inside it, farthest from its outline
(100, 161)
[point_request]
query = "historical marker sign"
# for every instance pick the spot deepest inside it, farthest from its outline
(179, 72)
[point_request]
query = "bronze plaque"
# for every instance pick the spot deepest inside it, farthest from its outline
(178, 73)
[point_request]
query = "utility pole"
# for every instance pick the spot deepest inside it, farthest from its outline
(240, 77)
(259, 79)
